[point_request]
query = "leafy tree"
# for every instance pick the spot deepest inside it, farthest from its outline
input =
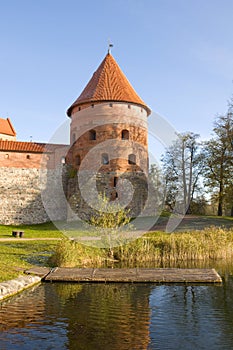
(109, 221)
(158, 186)
(219, 159)
(182, 165)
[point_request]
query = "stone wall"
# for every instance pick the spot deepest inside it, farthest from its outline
(24, 191)
(130, 191)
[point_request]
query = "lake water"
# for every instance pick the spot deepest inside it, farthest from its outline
(119, 316)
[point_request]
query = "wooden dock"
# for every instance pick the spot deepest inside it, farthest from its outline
(134, 275)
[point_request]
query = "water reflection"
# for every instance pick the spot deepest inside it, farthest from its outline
(119, 316)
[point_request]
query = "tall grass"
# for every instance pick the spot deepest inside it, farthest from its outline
(71, 254)
(210, 243)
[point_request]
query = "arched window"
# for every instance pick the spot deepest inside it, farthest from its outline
(132, 159)
(125, 135)
(104, 159)
(92, 135)
(78, 160)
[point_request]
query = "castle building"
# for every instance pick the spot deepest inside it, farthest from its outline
(108, 147)
(21, 167)
(109, 140)
(7, 132)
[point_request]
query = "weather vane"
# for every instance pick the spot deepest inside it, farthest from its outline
(110, 45)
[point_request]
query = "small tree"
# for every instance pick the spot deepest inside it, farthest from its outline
(110, 220)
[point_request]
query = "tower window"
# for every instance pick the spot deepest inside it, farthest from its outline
(92, 135)
(115, 180)
(132, 159)
(78, 160)
(125, 135)
(104, 159)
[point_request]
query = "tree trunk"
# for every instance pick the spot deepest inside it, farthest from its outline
(184, 178)
(219, 209)
(220, 193)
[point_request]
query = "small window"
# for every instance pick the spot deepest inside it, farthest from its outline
(125, 135)
(105, 159)
(28, 156)
(78, 160)
(79, 108)
(110, 104)
(129, 106)
(115, 180)
(92, 106)
(92, 135)
(6, 156)
(63, 160)
(73, 138)
(132, 159)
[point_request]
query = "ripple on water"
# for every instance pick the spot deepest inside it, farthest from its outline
(118, 316)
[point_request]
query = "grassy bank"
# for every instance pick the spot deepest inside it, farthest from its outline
(159, 247)
(15, 257)
(210, 243)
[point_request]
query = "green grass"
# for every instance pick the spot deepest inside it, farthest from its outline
(15, 257)
(46, 230)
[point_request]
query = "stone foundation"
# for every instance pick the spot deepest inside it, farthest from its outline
(21, 192)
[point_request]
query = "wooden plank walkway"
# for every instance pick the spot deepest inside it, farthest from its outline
(134, 275)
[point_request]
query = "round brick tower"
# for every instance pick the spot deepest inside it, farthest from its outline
(109, 139)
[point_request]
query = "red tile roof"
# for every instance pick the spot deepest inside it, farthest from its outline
(20, 146)
(6, 127)
(108, 83)
(33, 147)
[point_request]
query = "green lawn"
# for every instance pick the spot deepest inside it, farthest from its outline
(46, 230)
(18, 255)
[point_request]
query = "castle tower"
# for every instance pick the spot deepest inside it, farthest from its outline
(109, 137)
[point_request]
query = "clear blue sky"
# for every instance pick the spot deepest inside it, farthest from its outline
(177, 54)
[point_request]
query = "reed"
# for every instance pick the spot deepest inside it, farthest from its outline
(210, 243)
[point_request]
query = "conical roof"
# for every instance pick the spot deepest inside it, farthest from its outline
(108, 83)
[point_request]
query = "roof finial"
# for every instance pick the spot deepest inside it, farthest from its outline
(110, 45)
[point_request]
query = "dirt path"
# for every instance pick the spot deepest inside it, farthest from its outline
(191, 222)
